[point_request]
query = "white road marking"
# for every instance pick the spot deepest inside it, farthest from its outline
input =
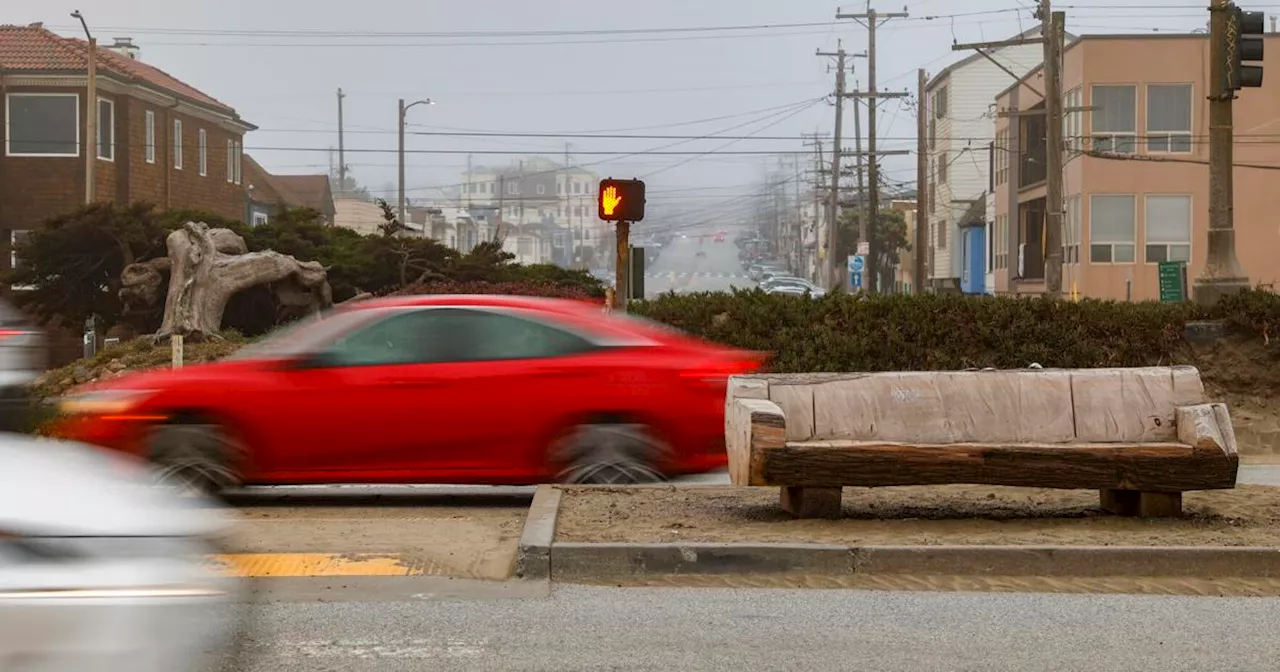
(370, 649)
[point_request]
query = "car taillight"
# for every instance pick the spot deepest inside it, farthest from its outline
(6, 334)
(719, 372)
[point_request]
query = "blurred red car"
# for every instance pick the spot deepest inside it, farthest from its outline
(446, 389)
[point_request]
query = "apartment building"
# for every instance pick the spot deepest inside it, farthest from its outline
(959, 107)
(1136, 181)
(157, 140)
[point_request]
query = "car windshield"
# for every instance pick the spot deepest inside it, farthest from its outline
(306, 336)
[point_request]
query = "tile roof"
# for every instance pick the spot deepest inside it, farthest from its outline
(36, 48)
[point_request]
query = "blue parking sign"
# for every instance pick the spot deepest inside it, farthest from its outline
(855, 279)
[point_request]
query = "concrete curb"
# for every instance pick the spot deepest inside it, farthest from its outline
(533, 555)
(605, 561)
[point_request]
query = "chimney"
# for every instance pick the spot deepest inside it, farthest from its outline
(125, 47)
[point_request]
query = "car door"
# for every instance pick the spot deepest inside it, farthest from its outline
(358, 398)
(512, 380)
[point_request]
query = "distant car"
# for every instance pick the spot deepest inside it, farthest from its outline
(430, 389)
(719, 238)
(100, 570)
(797, 290)
(22, 359)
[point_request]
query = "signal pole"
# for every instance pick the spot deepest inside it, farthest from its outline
(1222, 274)
(622, 275)
(871, 19)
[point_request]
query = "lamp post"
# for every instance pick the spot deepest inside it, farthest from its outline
(403, 109)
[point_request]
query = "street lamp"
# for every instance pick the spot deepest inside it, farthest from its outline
(403, 109)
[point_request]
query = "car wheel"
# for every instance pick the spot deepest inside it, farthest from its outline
(610, 454)
(194, 459)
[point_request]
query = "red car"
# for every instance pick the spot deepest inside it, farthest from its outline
(445, 389)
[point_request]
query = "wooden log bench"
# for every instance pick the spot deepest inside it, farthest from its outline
(1140, 436)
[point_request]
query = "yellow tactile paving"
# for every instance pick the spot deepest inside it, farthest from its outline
(276, 565)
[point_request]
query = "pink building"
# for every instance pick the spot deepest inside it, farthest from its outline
(1146, 100)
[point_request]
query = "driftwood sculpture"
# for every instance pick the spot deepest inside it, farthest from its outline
(205, 268)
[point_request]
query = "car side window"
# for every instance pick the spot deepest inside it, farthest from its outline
(439, 335)
(497, 336)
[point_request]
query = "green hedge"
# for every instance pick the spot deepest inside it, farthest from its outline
(843, 332)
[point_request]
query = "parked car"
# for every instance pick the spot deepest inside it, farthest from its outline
(99, 570)
(785, 284)
(23, 358)
(797, 290)
(449, 389)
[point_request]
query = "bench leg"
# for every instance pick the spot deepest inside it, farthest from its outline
(803, 502)
(1144, 504)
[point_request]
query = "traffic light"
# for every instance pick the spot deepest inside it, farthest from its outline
(1244, 48)
(621, 200)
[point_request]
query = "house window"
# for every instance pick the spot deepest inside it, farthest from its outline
(106, 130)
(559, 187)
(1168, 228)
(942, 168)
(1169, 118)
(236, 150)
(1111, 219)
(260, 218)
(577, 211)
(42, 124)
(941, 235)
(1073, 120)
(933, 133)
(1071, 232)
(991, 246)
(177, 144)
(1114, 119)
(15, 237)
(940, 103)
(1002, 156)
(150, 130)
(540, 189)
(577, 187)
(511, 187)
(202, 152)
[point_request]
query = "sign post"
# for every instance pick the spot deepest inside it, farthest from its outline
(1173, 281)
(622, 202)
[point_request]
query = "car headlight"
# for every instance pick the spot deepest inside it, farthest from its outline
(103, 402)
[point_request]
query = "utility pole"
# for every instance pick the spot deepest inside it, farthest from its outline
(1222, 274)
(863, 231)
(1054, 35)
(829, 261)
(922, 179)
(342, 146)
(871, 19)
(91, 111)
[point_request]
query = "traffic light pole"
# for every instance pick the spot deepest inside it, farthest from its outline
(1222, 274)
(622, 282)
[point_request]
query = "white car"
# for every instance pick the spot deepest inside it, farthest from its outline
(102, 571)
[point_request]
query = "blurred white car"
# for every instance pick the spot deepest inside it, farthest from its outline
(22, 360)
(100, 570)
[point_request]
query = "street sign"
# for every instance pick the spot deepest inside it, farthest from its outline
(620, 200)
(864, 248)
(855, 279)
(1173, 281)
(857, 263)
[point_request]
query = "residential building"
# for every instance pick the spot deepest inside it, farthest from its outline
(959, 108)
(543, 209)
(359, 215)
(158, 139)
(267, 193)
(1136, 180)
(904, 269)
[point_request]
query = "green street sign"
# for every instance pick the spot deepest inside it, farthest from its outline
(1173, 281)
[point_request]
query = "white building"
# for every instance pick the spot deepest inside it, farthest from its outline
(960, 105)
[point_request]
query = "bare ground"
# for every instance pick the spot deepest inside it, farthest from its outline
(934, 515)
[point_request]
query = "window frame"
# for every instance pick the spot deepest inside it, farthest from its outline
(1168, 136)
(231, 161)
(1094, 133)
(8, 125)
(1113, 244)
(176, 143)
(237, 154)
(1146, 229)
(202, 152)
(149, 136)
(1073, 120)
(259, 219)
(109, 128)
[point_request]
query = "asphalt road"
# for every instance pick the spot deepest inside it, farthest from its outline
(662, 629)
(680, 269)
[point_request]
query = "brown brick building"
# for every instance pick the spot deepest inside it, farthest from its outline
(159, 140)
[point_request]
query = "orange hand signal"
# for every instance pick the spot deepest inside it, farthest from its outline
(610, 200)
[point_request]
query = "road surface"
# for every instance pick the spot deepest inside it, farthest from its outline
(433, 626)
(680, 269)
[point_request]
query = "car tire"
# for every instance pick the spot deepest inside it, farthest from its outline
(194, 459)
(610, 453)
